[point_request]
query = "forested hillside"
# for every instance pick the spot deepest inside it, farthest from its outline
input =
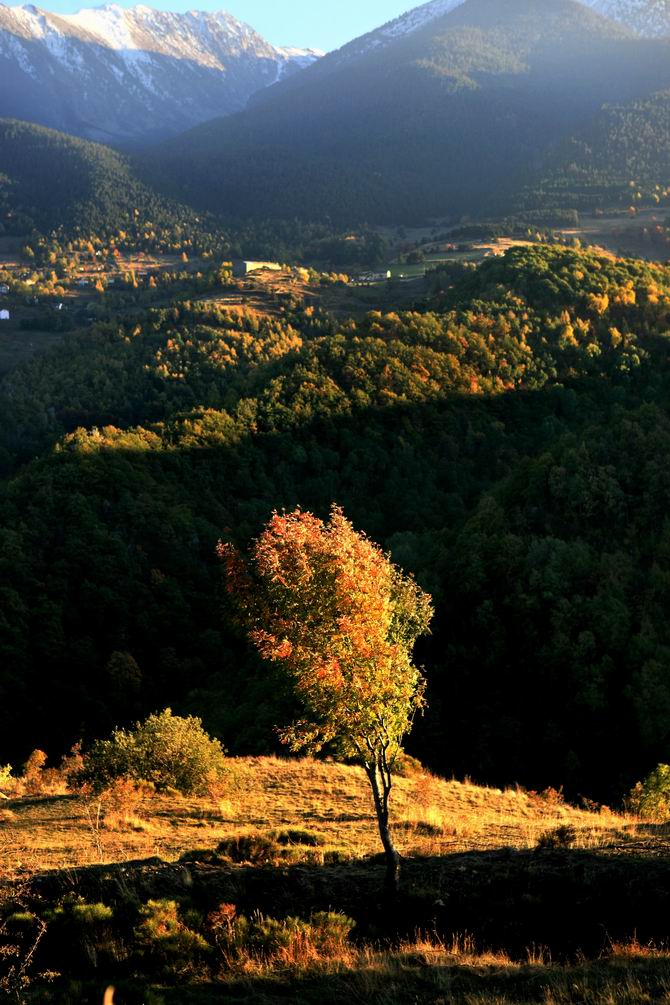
(499, 83)
(49, 180)
(508, 443)
(620, 157)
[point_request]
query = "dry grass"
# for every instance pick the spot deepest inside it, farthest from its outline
(432, 816)
(432, 973)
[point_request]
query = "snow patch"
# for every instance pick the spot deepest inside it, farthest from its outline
(648, 17)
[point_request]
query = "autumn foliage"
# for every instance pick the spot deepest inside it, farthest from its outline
(327, 604)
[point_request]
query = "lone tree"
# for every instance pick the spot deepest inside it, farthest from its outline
(328, 605)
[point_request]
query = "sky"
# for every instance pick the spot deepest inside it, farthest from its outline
(305, 23)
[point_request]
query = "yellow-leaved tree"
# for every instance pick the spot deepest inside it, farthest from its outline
(326, 603)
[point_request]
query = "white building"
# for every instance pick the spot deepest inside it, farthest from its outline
(245, 268)
(4, 315)
(3, 289)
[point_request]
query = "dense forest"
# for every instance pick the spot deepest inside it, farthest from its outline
(47, 178)
(59, 194)
(522, 110)
(507, 443)
(619, 157)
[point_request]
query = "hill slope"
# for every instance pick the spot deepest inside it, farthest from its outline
(49, 180)
(126, 75)
(433, 123)
(246, 888)
(509, 446)
(623, 153)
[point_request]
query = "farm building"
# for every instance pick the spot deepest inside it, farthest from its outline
(242, 268)
(3, 289)
(374, 277)
(4, 315)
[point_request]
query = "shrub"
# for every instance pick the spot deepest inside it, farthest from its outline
(7, 780)
(290, 940)
(166, 750)
(32, 772)
(21, 920)
(38, 780)
(560, 837)
(257, 849)
(122, 805)
(297, 836)
(406, 766)
(92, 914)
(162, 933)
(651, 798)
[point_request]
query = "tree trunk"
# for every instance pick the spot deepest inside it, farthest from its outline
(381, 795)
(392, 877)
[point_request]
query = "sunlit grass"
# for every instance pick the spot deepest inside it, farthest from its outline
(431, 817)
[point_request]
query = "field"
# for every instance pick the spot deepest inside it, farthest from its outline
(612, 233)
(616, 233)
(497, 885)
(17, 345)
(266, 292)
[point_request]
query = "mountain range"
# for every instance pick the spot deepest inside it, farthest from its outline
(133, 76)
(122, 75)
(650, 18)
(451, 117)
(479, 108)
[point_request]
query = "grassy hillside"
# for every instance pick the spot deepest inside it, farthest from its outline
(325, 803)
(497, 83)
(289, 839)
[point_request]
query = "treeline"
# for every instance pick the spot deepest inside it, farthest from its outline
(509, 445)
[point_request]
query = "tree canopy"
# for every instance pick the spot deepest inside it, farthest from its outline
(325, 603)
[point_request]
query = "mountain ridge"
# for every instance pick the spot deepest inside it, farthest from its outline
(650, 18)
(432, 125)
(111, 73)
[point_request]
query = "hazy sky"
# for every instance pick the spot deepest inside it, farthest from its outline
(313, 23)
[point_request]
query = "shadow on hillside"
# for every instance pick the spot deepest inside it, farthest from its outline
(121, 552)
(568, 902)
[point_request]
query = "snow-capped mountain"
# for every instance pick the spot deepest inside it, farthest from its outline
(117, 74)
(403, 25)
(648, 17)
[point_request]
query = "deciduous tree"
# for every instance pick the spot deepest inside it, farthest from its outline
(327, 604)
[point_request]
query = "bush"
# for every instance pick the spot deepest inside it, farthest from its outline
(92, 914)
(163, 934)
(290, 940)
(257, 849)
(298, 836)
(7, 780)
(168, 751)
(560, 837)
(406, 766)
(651, 798)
